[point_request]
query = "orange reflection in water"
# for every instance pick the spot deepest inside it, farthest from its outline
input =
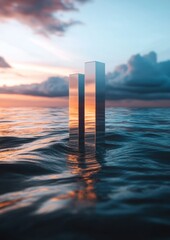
(21, 199)
(86, 168)
(22, 131)
(5, 204)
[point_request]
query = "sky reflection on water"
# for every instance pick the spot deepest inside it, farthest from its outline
(51, 185)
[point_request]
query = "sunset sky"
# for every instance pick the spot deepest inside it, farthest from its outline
(40, 39)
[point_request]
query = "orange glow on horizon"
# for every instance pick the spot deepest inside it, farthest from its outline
(14, 100)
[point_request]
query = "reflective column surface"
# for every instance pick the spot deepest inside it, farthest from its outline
(94, 104)
(76, 110)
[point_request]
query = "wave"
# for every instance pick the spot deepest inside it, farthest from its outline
(50, 190)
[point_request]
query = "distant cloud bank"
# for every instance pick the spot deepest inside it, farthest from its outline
(142, 78)
(53, 87)
(40, 15)
(3, 63)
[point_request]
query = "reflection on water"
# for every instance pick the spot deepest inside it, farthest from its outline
(86, 168)
(50, 190)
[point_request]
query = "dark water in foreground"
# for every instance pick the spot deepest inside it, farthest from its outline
(50, 191)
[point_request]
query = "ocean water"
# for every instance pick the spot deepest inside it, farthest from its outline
(48, 190)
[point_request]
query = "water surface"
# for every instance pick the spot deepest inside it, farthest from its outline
(49, 190)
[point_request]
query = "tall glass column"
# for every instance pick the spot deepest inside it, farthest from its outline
(76, 110)
(94, 103)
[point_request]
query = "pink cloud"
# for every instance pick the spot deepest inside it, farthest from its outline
(39, 14)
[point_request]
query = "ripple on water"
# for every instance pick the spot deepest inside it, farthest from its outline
(50, 190)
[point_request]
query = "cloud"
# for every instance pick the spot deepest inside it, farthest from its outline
(141, 78)
(41, 15)
(3, 63)
(53, 87)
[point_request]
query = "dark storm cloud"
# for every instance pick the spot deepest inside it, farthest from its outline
(3, 63)
(141, 78)
(53, 87)
(41, 15)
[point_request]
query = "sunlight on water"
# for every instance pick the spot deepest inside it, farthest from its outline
(45, 181)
